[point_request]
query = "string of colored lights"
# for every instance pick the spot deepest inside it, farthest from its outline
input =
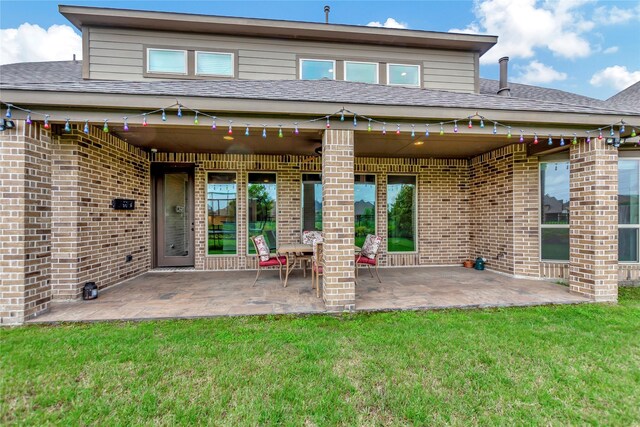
(198, 114)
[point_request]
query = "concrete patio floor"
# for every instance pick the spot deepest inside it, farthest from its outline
(187, 294)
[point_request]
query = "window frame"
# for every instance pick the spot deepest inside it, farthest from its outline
(301, 60)
(302, 198)
(377, 67)
(418, 85)
(246, 225)
(206, 210)
(629, 226)
(550, 226)
(172, 73)
(415, 215)
(195, 62)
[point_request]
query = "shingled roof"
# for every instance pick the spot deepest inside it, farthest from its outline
(66, 76)
(629, 98)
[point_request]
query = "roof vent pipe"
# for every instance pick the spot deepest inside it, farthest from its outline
(504, 81)
(327, 9)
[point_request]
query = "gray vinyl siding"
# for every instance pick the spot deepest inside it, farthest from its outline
(117, 54)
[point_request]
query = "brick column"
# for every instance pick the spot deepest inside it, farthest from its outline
(25, 223)
(593, 259)
(338, 220)
(526, 212)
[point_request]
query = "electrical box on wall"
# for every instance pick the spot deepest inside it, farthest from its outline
(123, 204)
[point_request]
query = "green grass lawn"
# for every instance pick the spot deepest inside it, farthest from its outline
(553, 365)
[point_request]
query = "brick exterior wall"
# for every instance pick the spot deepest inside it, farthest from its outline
(90, 240)
(491, 195)
(25, 239)
(593, 223)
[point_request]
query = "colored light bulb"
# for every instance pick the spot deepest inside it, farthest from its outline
(328, 123)
(441, 129)
(426, 131)
(86, 126)
(550, 140)
(264, 131)
(164, 116)
(195, 119)
(561, 140)
(495, 129)
(296, 131)
(144, 121)
(342, 116)
(397, 129)
(622, 128)
(633, 132)
(67, 126)
(8, 115)
(509, 132)
(413, 131)
(28, 121)
(105, 128)
(611, 133)
(521, 135)
(481, 124)
(179, 111)
(535, 138)
(46, 121)
(588, 138)
(574, 141)
(213, 125)
(599, 133)
(355, 121)
(470, 124)
(280, 132)
(455, 126)
(369, 126)
(384, 128)
(230, 131)
(125, 126)
(246, 131)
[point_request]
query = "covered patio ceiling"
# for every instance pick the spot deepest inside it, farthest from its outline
(202, 139)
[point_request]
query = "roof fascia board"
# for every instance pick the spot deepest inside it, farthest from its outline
(92, 101)
(106, 17)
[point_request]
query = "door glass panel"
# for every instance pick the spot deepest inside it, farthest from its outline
(364, 207)
(311, 202)
(401, 213)
(221, 212)
(176, 214)
(262, 208)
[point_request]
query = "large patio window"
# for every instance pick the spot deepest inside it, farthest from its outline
(221, 213)
(554, 211)
(311, 201)
(364, 207)
(401, 213)
(628, 208)
(262, 197)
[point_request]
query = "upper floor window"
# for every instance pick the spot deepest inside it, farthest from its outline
(166, 61)
(316, 69)
(403, 75)
(214, 64)
(363, 72)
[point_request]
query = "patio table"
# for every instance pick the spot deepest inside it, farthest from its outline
(291, 251)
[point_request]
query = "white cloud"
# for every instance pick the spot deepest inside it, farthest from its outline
(612, 49)
(536, 72)
(389, 23)
(31, 43)
(525, 25)
(613, 15)
(617, 77)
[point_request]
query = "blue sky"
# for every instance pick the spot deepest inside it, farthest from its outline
(590, 47)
